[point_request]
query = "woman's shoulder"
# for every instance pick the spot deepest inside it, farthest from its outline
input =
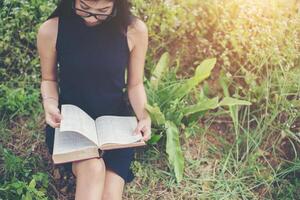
(137, 26)
(137, 32)
(48, 30)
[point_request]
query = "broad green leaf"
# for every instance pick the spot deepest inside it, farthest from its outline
(173, 149)
(161, 67)
(173, 112)
(28, 196)
(229, 101)
(32, 183)
(204, 104)
(18, 186)
(154, 139)
(204, 69)
(157, 117)
(202, 72)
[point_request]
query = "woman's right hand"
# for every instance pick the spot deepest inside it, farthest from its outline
(52, 113)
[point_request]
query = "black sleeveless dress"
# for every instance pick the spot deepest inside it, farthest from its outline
(91, 75)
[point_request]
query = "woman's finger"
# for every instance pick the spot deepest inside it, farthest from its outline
(53, 124)
(138, 128)
(147, 135)
(56, 116)
(144, 129)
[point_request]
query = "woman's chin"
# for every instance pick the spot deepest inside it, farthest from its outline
(92, 24)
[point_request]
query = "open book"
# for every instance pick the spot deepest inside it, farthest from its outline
(80, 136)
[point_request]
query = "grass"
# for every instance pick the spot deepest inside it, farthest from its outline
(237, 152)
(265, 144)
(259, 160)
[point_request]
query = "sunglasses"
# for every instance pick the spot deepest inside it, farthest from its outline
(86, 14)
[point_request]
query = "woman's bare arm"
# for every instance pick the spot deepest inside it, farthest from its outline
(47, 53)
(46, 40)
(138, 35)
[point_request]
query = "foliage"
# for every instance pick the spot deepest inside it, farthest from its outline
(19, 21)
(167, 104)
(18, 101)
(247, 37)
(18, 180)
(19, 63)
(255, 46)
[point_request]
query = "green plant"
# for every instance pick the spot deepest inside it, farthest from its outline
(19, 63)
(287, 185)
(168, 105)
(19, 101)
(18, 180)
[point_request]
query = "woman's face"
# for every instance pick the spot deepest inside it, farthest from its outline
(95, 7)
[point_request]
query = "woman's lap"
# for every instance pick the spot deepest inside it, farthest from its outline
(117, 160)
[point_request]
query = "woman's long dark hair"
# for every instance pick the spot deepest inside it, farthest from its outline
(123, 18)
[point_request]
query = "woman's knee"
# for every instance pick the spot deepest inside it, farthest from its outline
(92, 168)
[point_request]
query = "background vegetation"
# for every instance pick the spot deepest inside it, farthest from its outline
(234, 122)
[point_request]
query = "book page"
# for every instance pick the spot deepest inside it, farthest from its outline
(117, 129)
(69, 141)
(76, 120)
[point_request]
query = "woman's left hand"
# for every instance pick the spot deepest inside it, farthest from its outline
(144, 127)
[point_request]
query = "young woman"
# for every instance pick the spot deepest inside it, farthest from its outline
(93, 41)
